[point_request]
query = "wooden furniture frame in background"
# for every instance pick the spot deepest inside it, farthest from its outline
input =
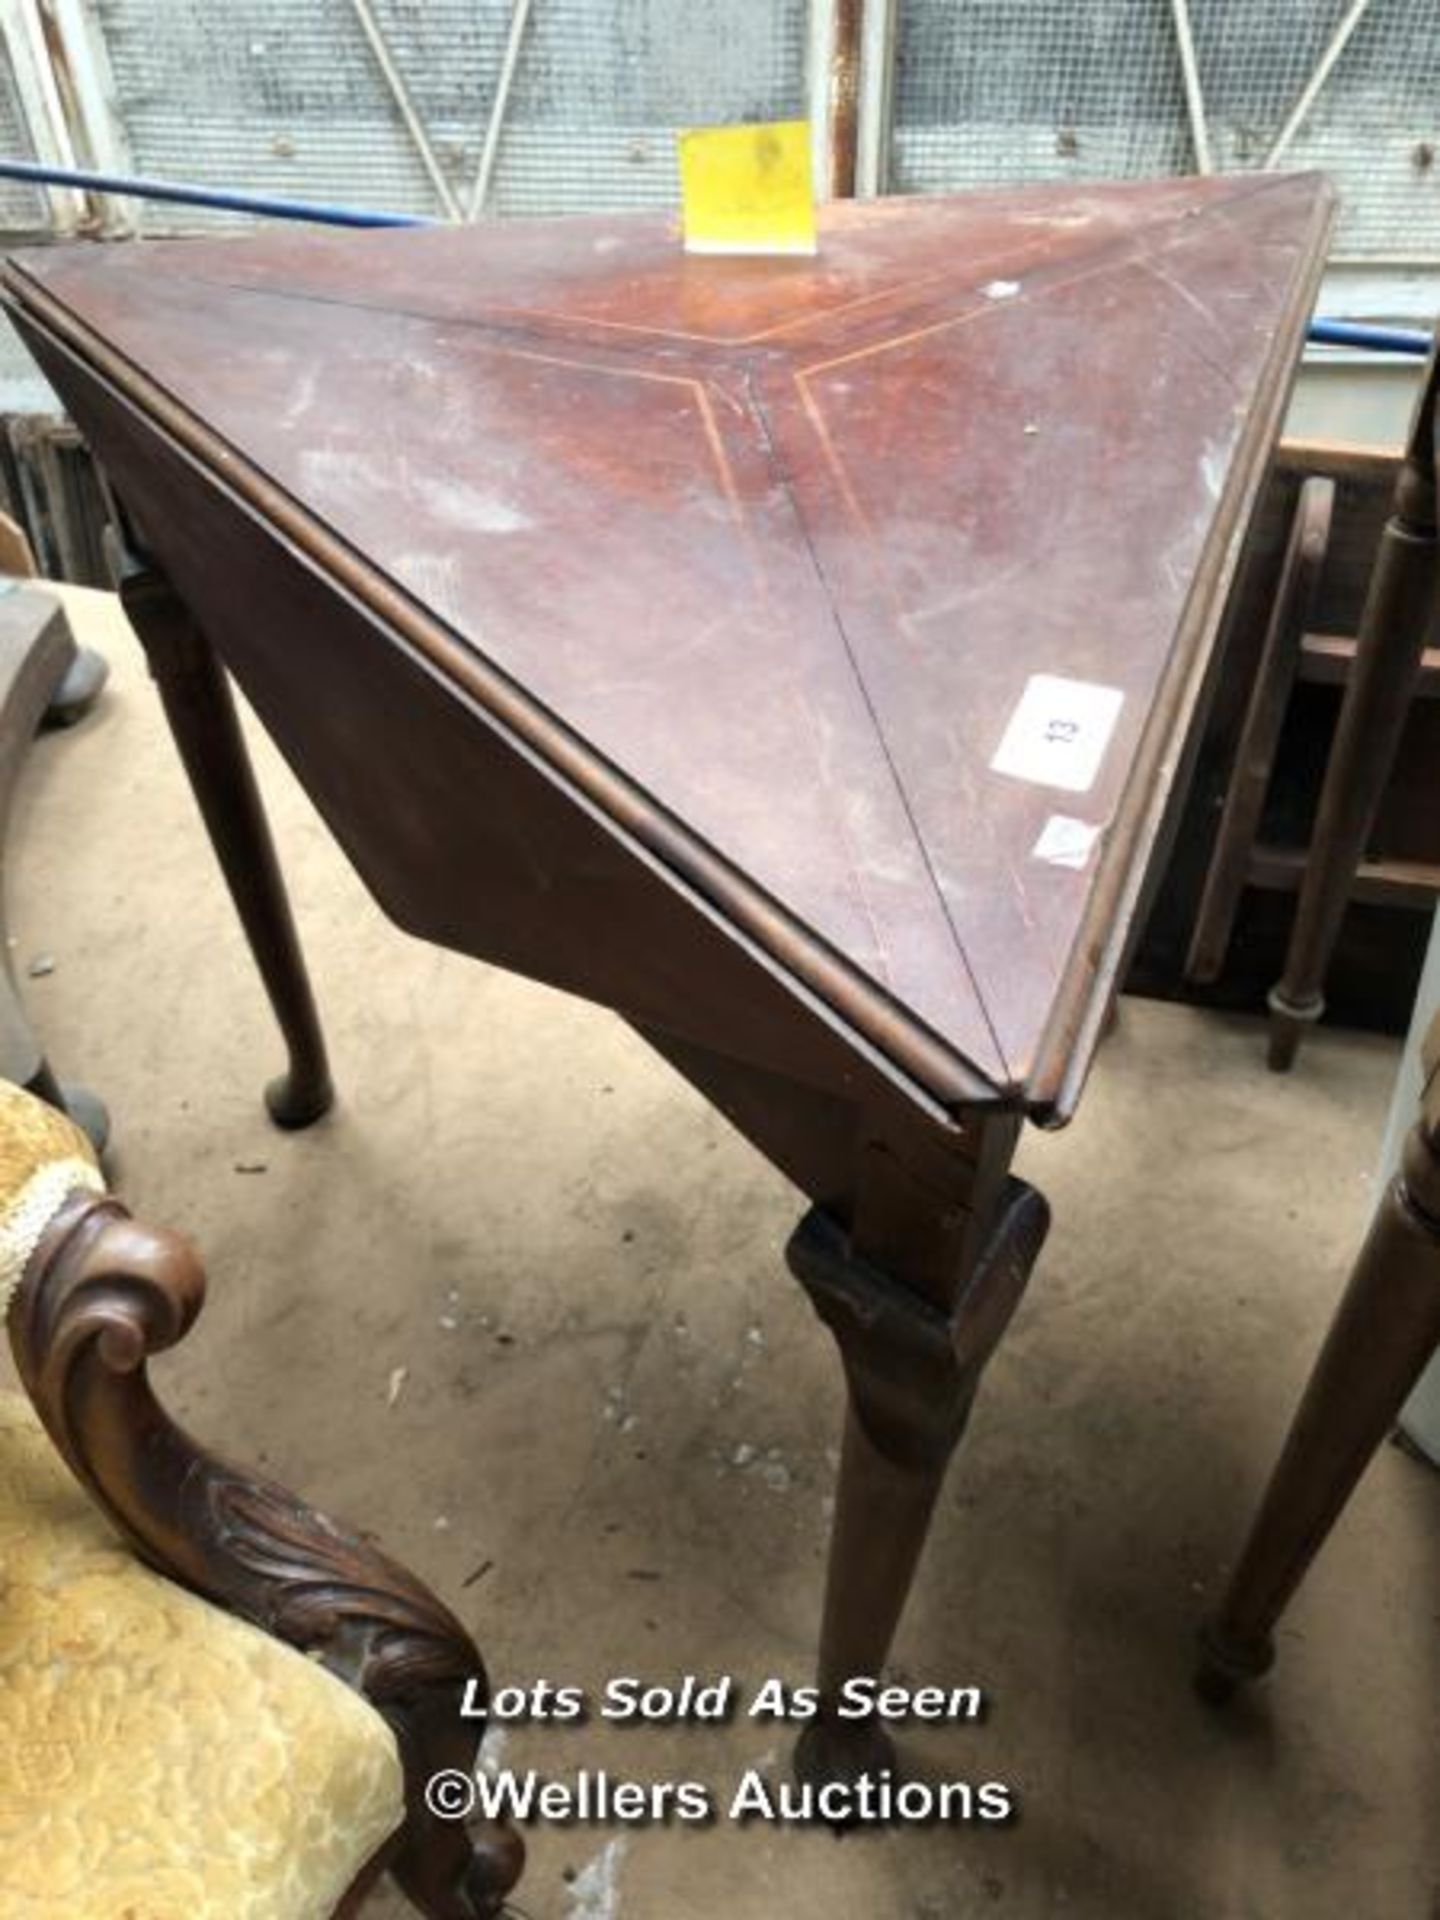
(1381, 669)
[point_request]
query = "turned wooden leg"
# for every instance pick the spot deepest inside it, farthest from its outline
(202, 716)
(912, 1364)
(882, 1517)
(1399, 610)
(1385, 1331)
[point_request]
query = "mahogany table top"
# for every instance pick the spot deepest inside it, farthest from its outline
(873, 592)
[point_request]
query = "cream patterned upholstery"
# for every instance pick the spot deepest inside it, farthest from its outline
(159, 1759)
(43, 1157)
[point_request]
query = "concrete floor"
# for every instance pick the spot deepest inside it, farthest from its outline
(578, 1267)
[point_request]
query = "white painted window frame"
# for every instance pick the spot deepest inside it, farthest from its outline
(81, 77)
(40, 102)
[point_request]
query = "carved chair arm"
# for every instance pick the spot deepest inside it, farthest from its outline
(100, 1295)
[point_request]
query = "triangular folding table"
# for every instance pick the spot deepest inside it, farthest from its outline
(798, 656)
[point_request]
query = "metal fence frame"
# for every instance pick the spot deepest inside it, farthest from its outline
(62, 71)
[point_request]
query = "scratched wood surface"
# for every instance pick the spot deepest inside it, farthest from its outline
(783, 543)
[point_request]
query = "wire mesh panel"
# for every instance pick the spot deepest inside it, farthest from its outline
(1375, 126)
(273, 98)
(1006, 90)
(988, 91)
(605, 88)
(24, 211)
(23, 208)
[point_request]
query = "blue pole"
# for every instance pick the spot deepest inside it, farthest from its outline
(1330, 333)
(220, 198)
(1346, 333)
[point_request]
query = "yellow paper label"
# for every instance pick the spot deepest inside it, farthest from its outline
(748, 189)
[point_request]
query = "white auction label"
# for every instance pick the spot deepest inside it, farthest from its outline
(1058, 733)
(1065, 842)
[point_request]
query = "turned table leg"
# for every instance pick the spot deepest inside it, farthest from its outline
(1386, 1328)
(201, 711)
(912, 1364)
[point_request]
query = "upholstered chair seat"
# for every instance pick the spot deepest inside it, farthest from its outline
(242, 1728)
(160, 1759)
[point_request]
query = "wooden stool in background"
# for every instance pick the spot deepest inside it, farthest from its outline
(1399, 615)
(1363, 518)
